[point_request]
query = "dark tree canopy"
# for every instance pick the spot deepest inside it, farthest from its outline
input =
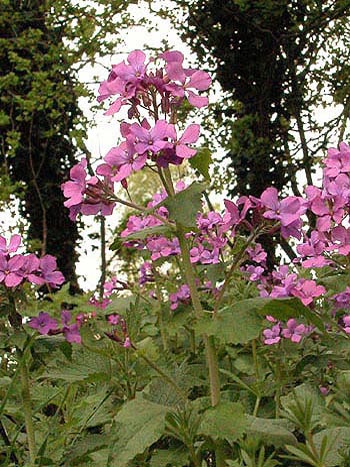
(277, 61)
(43, 45)
(39, 107)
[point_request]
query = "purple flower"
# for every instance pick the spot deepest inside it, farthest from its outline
(48, 265)
(70, 331)
(287, 211)
(342, 299)
(113, 319)
(13, 246)
(72, 334)
(272, 336)
(182, 295)
(43, 323)
(11, 273)
(294, 331)
(307, 290)
(153, 139)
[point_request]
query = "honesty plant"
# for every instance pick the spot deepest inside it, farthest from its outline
(203, 274)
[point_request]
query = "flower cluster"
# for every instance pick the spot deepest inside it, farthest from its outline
(293, 331)
(46, 325)
(16, 268)
(158, 87)
(119, 331)
(109, 287)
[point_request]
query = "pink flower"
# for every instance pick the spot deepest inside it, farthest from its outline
(293, 331)
(338, 161)
(49, 274)
(162, 247)
(74, 189)
(307, 290)
(127, 343)
(190, 135)
(153, 139)
(287, 211)
(121, 161)
(113, 319)
(13, 246)
(134, 72)
(11, 273)
(272, 336)
(185, 80)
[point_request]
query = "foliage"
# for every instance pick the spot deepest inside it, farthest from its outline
(207, 358)
(43, 45)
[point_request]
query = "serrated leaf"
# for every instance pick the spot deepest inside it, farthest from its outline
(201, 161)
(232, 325)
(87, 445)
(85, 366)
(225, 421)
(141, 423)
(273, 432)
(185, 205)
(148, 348)
(337, 442)
(169, 457)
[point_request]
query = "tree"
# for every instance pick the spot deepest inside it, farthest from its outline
(278, 63)
(43, 46)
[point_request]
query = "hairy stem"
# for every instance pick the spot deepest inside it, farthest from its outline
(166, 377)
(27, 409)
(209, 342)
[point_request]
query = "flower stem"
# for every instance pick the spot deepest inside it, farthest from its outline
(209, 342)
(162, 328)
(166, 377)
(234, 265)
(27, 408)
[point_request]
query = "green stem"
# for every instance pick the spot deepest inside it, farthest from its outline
(256, 406)
(193, 455)
(166, 377)
(27, 410)
(209, 342)
(239, 257)
(257, 377)
(160, 312)
(212, 360)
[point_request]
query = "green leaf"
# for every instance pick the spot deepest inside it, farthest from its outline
(169, 457)
(232, 325)
(85, 366)
(335, 441)
(185, 205)
(303, 406)
(280, 308)
(142, 234)
(87, 445)
(141, 423)
(202, 161)
(225, 421)
(301, 452)
(273, 432)
(148, 348)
